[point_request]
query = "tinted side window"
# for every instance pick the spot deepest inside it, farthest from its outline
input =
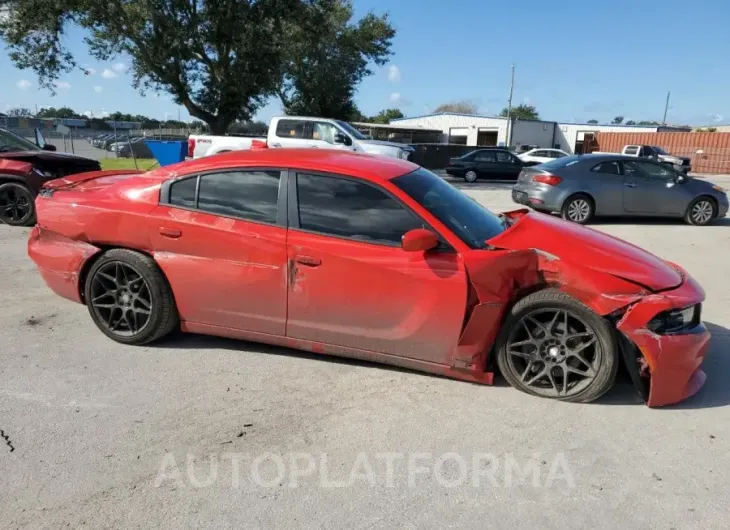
(346, 208)
(182, 193)
(608, 168)
(251, 195)
(290, 128)
(485, 156)
(655, 171)
(505, 157)
(541, 153)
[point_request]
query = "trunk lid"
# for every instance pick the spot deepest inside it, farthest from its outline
(90, 180)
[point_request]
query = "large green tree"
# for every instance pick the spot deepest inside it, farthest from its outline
(521, 112)
(326, 57)
(220, 59)
(384, 116)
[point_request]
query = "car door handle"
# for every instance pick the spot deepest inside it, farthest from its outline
(309, 261)
(630, 185)
(172, 233)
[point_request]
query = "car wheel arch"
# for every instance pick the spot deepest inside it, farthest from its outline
(580, 194)
(103, 249)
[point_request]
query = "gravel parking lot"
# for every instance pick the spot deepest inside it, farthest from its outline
(206, 432)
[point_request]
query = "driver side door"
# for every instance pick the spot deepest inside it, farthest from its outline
(652, 189)
(322, 134)
(352, 285)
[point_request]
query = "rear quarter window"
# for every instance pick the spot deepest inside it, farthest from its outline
(290, 128)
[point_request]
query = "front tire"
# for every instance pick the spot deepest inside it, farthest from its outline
(471, 176)
(17, 207)
(579, 209)
(701, 211)
(553, 346)
(129, 298)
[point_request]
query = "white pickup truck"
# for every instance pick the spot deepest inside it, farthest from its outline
(679, 163)
(295, 131)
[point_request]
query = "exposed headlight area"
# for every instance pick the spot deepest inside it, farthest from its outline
(44, 173)
(676, 320)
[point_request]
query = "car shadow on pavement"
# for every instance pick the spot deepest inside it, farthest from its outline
(715, 393)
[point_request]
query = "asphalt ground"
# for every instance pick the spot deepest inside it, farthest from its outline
(200, 432)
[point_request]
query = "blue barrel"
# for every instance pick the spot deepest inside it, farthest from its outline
(167, 152)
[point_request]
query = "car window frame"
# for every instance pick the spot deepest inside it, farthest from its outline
(306, 135)
(293, 210)
(513, 160)
(281, 198)
(646, 175)
(491, 152)
(617, 162)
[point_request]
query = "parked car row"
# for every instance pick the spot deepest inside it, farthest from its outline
(125, 146)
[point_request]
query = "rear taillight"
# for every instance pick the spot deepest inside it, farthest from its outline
(191, 147)
(550, 180)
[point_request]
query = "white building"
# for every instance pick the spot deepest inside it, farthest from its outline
(470, 129)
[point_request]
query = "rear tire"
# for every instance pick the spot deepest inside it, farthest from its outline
(578, 208)
(471, 176)
(129, 298)
(701, 211)
(553, 346)
(17, 206)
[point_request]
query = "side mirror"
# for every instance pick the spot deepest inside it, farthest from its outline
(680, 179)
(342, 139)
(419, 239)
(48, 147)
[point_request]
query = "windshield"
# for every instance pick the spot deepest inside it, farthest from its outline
(659, 150)
(468, 219)
(352, 131)
(10, 143)
(561, 162)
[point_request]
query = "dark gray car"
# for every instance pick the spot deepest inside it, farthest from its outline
(581, 187)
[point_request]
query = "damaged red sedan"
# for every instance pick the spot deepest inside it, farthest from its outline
(372, 258)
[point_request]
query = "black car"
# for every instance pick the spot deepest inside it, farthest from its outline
(490, 163)
(24, 168)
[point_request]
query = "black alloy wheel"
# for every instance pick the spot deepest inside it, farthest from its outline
(129, 298)
(121, 299)
(16, 205)
(553, 346)
(555, 352)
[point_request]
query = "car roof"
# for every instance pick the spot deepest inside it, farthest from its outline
(368, 167)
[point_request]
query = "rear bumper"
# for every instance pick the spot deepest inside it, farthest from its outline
(539, 196)
(671, 362)
(60, 261)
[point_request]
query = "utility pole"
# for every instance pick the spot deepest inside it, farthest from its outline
(509, 108)
(666, 108)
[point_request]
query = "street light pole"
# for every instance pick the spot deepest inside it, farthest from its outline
(509, 108)
(666, 108)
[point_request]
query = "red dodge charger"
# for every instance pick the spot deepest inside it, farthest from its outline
(372, 258)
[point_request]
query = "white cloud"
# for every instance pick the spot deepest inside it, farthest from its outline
(63, 85)
(98, 89)
(24, 84)
(393, 74)
(108, 74)
(717, 118)
(120, 67)
(395, 97)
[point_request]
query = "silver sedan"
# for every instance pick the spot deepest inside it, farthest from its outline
(582, 187)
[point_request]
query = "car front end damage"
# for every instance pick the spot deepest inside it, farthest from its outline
(656, 315)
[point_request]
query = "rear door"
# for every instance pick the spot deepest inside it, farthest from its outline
(290, 133)
(485, 164)
(607, 187)
(352, 285)
(651, 188)
(508, 165)
(220, 239)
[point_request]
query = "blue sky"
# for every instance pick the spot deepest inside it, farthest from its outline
(575, 60)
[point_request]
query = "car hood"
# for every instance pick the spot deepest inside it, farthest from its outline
(50, 156)
(587, 247)
(381, 143)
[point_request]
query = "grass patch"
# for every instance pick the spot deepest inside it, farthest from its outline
(143, 164)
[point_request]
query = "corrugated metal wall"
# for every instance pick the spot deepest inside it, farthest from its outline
(715, 146)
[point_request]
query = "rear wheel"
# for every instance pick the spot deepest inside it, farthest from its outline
(17, 207)
(129, 298)
(553, 346)
(470, 176)
(701, 211)
(578, 209)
